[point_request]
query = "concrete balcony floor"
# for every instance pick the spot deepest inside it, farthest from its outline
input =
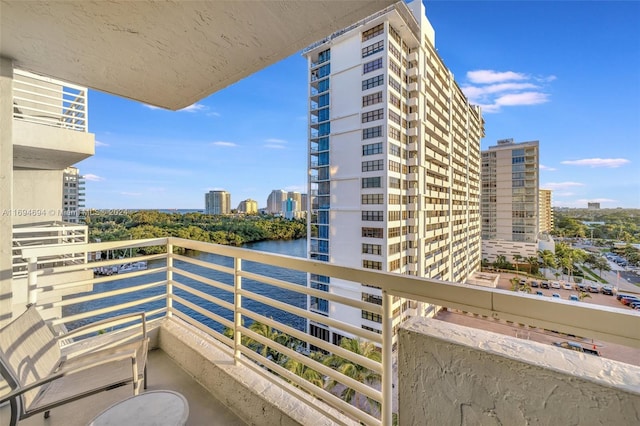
(163, 373)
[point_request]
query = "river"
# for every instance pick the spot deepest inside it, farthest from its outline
(292, 248)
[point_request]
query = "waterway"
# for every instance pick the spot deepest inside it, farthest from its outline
(295, 248)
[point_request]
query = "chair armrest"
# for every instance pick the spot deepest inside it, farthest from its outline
(89, 358)
(118, 356)
(80, 330)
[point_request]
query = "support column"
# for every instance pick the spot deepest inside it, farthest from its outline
(6, 188)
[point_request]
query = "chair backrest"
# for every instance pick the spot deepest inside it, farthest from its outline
(28, 351)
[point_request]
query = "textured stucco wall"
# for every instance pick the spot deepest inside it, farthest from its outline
(454, 375)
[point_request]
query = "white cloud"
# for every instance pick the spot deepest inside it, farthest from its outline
(563, 194)
(214, 114)
(598, 162)
(492, 90)
(194, 108)
(274, 140)
(296, 188)
(93, 178)
(223, 143)
(274, 143)
(555, 186)
(549, 169)
(525, 98)
(99, 143)
(491, 76)
(152, 106)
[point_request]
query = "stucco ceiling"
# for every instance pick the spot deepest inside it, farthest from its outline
(165, 53)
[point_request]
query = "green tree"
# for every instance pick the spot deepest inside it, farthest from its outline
(516, 259)
(548, 260)
(271, 334)
(302, 370)
(355, 371)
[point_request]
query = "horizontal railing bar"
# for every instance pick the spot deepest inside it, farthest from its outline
(203, 280)
(355, 303)
(37, 77)
(59, 102)
(121, 261)
(103, 295)
(369, 335)
(202, 311)
(208, 265)
(101, 280)
(203, 295)
(58, 249)
(335, 401)
(344, 353)
(79, 238)
(112, 308)
(219, 337)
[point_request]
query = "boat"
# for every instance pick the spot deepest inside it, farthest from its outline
(121, 269)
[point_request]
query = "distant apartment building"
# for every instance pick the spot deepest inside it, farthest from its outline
(545, 212)
(593, 206)
(394, 164)
(275, 200)
(217, 202)
(510, 191)
(73, 187)
(248, 206)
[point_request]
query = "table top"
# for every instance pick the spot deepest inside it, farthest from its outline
(154, 408)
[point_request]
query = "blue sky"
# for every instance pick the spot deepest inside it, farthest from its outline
(565, 73)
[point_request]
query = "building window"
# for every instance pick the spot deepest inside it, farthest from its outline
(373, 165)
(394, 248)
(394, 264)
(372, 298)
(372, 198)
(372, 132)
(374, 98)
(372, 264)
(371, 33)
(394, 150)
(372, 149)
(395, 68)
(394, 166)
(374, 115)
(394, 199)
(371, 182)
(394, 215)
(394, 117)
(373, 48)
(376, 64)
(394, 232)
(394, 133)
(364, 327)
(373, 216)
(394, 51)
(373, 82)
(394, 183)
(372, 233)
(394, 84)
(371, 316)
(371, 248)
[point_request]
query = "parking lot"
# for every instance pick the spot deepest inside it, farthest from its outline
(608, 350)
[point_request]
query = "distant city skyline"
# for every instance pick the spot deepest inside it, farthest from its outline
(550, 85)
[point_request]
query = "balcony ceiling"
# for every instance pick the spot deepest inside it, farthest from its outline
(169, 54)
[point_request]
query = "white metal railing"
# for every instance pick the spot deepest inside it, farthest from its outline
(49, 102)
(47, 234)
(214, 294)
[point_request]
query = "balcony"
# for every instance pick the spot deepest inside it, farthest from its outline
(50, 122)
(195, 303)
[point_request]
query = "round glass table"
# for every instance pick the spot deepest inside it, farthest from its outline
(154, 408)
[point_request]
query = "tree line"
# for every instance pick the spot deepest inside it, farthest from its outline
(227, 230)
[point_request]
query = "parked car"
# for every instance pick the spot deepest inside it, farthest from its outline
(628, 299)
(577, 347)
(593, 288)
(608, 290)
(567, 286)
(539, 293)
(544, 284)
(555, 295)
(534, 283)
(574, 298)
(581, 287)
(555, 284)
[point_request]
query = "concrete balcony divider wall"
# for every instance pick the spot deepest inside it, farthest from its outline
(451, 374)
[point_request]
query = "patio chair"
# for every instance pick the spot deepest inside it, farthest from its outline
(42, 378)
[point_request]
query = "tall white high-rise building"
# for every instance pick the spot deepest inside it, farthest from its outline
(72, 194)
(394, 163)
(545, 211)
(275, 200)
(217, 202)
(510, 190)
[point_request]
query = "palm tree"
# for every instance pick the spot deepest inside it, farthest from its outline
(271, 334)
(355, 371)
(302, 370)
(516, 259)
(533, 264)
(548, 260)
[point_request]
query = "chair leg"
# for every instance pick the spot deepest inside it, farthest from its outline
(145, 377)
(46, 414)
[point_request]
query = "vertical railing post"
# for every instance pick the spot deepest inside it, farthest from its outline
(387, 360)
(32, 280)
(169, 296)
(237, 316)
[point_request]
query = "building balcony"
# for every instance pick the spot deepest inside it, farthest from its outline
(50, 123)
(412, 102)
(412, 72)
(413, 57)
(413, 131)
(413, 87)
(194, 303)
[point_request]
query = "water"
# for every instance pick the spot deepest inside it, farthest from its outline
(295, 248)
